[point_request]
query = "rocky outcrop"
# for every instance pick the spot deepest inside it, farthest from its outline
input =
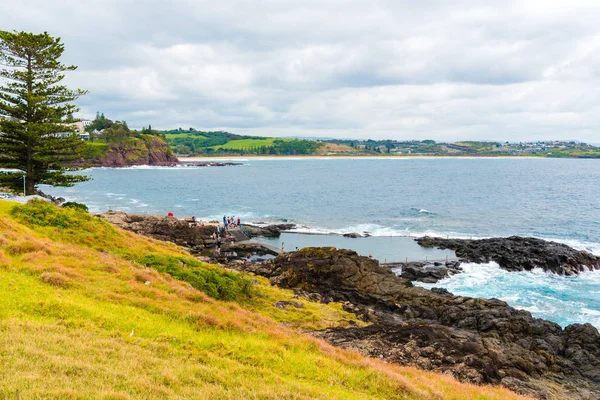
(355, 235)
(426, 272)
(143, 150)
(209, 164)
(476, 340)
(519, 253)
(197, 239)
(194, 238)
(267, 231)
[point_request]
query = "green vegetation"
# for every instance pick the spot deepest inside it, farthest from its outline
(218, 284)
(469, 148)
(246, 144)
(73, 204)
(37, 137)
(194, 142)
(87, 312)
(95, 150)
(116, 137)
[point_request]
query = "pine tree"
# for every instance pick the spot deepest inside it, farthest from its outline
(34, 137)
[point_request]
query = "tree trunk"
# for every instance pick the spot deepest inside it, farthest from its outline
(29, 186)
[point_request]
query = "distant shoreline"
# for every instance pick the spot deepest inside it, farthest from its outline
(314, 157)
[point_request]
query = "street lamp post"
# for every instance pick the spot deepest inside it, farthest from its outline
(17, 170)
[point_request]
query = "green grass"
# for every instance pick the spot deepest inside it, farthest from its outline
(171, 136)
(94, 150)
(91, 311)
(247, 144)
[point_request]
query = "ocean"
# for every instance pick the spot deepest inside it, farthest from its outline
(392, 200)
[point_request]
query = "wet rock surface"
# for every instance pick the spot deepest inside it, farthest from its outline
(208, 164)
(517, 253)
(426, 272)
(475, 340)
(267, 231)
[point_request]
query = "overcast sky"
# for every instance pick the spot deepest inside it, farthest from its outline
(445, 70)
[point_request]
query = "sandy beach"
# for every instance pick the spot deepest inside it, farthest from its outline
(265, 158)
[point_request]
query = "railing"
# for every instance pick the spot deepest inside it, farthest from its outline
(245, 232)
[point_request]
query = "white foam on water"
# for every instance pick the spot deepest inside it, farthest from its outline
(593, 248)
(561, 299)
(383, 231)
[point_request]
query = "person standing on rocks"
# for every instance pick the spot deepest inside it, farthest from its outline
(282, 247)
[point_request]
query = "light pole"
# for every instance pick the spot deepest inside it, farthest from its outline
(13, 170)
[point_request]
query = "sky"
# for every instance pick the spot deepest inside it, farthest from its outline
(432, 69)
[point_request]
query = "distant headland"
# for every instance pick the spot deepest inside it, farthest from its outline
(112, 142)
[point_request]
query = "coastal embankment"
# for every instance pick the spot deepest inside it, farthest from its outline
(90, 310)
(475, 340)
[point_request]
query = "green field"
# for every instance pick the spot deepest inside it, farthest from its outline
(246, 144)
(171, 136)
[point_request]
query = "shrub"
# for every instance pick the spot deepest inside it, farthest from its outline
(78, 206)
(218, 284)
(41, 213)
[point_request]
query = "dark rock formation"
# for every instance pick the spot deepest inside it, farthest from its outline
(267, 231)
(208, 164)
(251, 248)
(424, 271)
(56, 200)
(195, 238)
(476, 340)
(519, 253)
(353, 235)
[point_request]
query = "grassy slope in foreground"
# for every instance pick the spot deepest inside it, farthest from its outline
(82, 317)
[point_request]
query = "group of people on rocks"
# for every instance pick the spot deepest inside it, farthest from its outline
(231, 221)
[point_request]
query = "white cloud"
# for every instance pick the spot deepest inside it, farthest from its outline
(462, 70)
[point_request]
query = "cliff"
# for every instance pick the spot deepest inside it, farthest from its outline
(143, 149)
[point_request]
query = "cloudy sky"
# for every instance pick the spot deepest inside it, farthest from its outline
(446, 70)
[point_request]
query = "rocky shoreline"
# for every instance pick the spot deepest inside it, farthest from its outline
(517, 253)
(475, 340)
(207, 163)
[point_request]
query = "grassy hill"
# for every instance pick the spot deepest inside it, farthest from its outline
(91, 311)
(224, 143)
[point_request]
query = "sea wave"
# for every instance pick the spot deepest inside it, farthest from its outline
(384, 231)
(562, 299)
(150, 167)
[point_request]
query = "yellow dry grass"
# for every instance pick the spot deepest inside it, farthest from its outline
(80, 318)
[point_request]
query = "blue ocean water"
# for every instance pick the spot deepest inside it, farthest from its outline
(556, 199)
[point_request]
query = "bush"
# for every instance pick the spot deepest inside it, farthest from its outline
(78, 206)
(41, 213)
(221, 285)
